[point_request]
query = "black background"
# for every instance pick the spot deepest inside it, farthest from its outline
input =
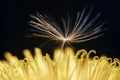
(14, 26)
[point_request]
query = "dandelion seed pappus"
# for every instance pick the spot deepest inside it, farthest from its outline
(82, 30)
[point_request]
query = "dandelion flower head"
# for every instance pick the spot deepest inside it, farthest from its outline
(65, 65)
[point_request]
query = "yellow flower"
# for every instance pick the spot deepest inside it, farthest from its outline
(65, 65)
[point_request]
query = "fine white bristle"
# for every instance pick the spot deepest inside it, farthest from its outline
(82, 30)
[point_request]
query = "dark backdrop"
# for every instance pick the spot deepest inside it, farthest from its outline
(14, 26)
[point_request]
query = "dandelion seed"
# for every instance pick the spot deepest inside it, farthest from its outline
(82, 30)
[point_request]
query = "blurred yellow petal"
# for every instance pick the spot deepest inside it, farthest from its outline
(65, 65)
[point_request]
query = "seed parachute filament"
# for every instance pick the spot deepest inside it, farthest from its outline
(82, 30)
